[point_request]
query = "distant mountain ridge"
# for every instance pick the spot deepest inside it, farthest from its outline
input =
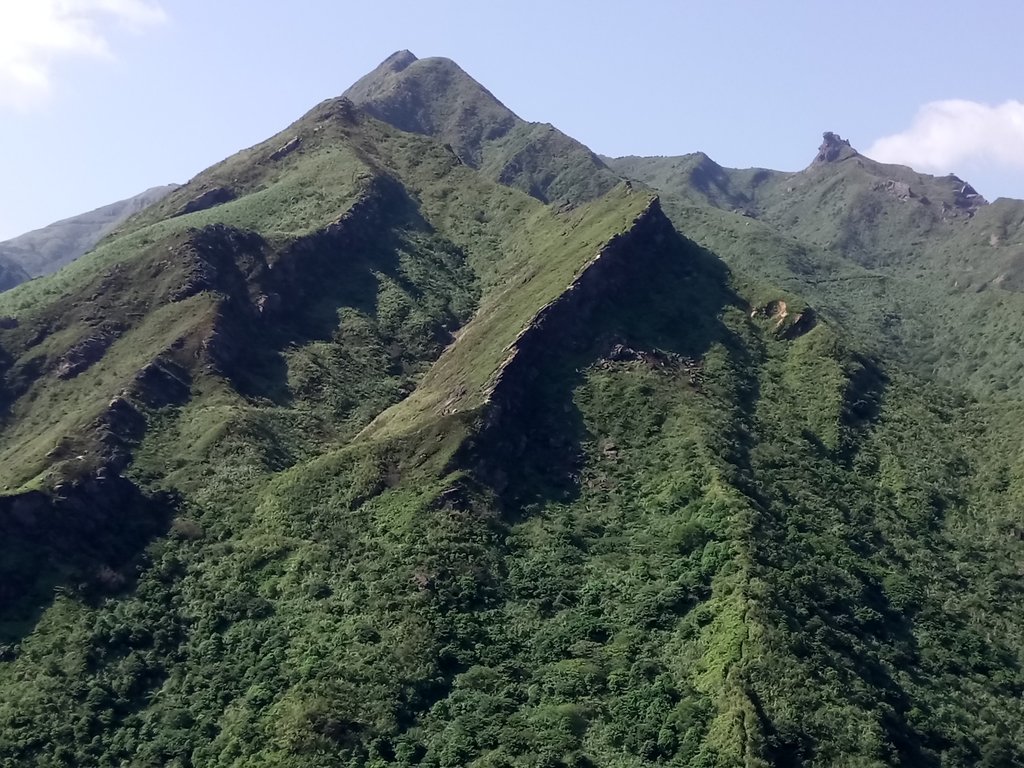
(11, 273)
(49, 248)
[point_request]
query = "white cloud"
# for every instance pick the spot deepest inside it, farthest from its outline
(36, 33)
(946, 135)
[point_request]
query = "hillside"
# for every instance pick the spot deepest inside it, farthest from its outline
(46, 250)
(355, 451)
(919, 266)
(11, 274)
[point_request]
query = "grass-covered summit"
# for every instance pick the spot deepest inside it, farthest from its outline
(435, 97)
(358, 450)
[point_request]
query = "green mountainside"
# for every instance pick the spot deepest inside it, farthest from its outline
(44, 251)
(420, 435)
(924, 267)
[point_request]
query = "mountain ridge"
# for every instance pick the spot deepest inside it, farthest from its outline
(49, 248)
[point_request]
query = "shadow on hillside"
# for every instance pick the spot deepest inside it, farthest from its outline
(344, 266)
(666, 298)
(84, 543)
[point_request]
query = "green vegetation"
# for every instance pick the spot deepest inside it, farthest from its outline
(435, 97)
(915, 266)
(344, 454)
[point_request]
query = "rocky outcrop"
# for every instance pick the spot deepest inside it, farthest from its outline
(314, 257)
(785, 324)
(801, 323)
(654, 360)
(84, 354)
(833, 149)
(219, 257)
(898, 189)
(966, 197)
(566, 323)
(208, 199)
(285, 150)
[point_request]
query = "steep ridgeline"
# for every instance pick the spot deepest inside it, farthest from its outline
(46, 250)
(917, 265)
(346, 454)
(435, 97)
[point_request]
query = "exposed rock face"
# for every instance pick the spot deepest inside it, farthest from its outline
(785, 324)
(287, 149)
(833, 149)
(899, 189)
(208, 199)
(83, 355)
(967, 197)
(655, 360)
(801, 324)
(219, 257)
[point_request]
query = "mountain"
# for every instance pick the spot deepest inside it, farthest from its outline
(435, 97)
(923, 267)
(46, 250)
(355, 450)
(11, 273)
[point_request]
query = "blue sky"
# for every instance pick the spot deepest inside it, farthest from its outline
(100, 99)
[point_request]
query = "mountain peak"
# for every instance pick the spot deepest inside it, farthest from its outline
(833, 148)
(398, 60)
(434, 97)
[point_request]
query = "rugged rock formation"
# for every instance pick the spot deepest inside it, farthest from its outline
(801, 323)
(967, 197)
(898, 189)
(84, 354)
(565, 324)
(218, 257)
(834, 148)
(286, 149)
(513, 434)
(208, 199)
